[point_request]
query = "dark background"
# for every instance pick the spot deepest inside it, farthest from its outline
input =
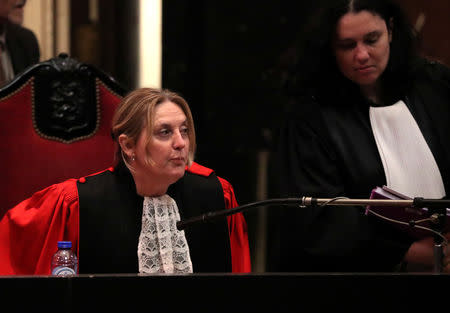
(224, 58)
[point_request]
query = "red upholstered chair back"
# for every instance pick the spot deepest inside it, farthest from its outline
(55, 124)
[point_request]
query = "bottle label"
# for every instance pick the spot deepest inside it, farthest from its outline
(63, 271)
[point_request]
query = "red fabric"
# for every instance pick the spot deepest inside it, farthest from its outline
(30, 162)
(29, 232)
(199, 169)
(237, 226)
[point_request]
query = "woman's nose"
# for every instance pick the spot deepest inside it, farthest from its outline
(179, 141)
(361, 53)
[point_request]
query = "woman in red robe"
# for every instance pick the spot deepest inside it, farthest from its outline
(123, 219)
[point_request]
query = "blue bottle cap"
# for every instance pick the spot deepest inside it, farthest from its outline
(64, 244)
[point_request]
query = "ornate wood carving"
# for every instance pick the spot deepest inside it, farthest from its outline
(65, 103)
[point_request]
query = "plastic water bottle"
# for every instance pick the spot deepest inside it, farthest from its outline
(64, 261)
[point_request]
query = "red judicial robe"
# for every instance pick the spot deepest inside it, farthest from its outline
(29, 231)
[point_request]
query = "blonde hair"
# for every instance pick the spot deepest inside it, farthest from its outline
(136, 111)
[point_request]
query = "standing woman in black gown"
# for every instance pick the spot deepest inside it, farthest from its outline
(367, 112)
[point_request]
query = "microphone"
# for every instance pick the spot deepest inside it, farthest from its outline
(316, 202)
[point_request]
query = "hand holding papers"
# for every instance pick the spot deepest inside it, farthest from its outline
(417, 222)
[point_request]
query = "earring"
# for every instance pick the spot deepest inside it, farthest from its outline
(133, 158)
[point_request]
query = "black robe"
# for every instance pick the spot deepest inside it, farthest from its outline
(109, 200)
(328, 150)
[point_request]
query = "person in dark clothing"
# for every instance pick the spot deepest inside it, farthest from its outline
(366, 111)
(19, 47)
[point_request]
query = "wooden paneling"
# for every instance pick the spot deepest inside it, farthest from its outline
(435, 39)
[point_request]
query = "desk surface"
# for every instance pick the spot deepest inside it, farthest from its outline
(268, 292)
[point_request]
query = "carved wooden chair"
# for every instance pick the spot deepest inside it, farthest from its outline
(54, 124)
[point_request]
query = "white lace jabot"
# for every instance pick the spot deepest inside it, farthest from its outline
(162, 248)
(408, 163)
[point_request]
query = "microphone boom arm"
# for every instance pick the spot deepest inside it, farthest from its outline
(317, 202)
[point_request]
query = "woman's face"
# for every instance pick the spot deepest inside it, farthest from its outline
(168, 147)
(361, 47)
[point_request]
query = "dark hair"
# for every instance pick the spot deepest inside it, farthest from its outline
(316, 73)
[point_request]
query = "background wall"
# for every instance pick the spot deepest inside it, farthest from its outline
(221, 56)
(50, 21)
(433, 23)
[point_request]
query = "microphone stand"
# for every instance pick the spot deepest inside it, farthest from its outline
(440, 213)
(436, 207)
